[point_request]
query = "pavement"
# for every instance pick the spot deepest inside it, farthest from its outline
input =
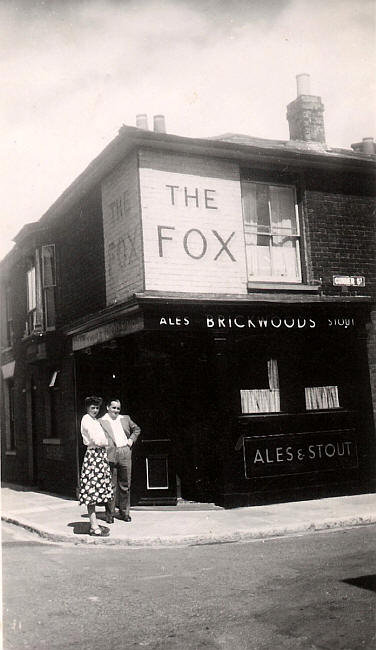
(62, 519)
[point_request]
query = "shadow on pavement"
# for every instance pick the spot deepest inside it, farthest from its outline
(363, 582)
(80, 527)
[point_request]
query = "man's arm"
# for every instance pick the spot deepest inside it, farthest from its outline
(134, 431)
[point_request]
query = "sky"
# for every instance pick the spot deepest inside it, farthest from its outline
(74, 71)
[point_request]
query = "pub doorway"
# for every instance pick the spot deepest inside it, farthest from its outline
(174, 396)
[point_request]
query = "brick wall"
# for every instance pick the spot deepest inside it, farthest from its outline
(122, 232)
(192, 224)
(17, 281)
(57, 462)
(342, 236)
(341, 230)
(80, 260)
(15, 465)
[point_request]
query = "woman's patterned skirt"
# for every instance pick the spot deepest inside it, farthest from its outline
(95, 483)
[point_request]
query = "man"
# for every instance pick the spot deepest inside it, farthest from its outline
(121, 434)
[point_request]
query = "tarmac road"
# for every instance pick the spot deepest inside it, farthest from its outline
(308, 593)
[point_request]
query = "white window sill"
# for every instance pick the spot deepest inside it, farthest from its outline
(11, 452)
(264, 413)
(283, 286)
(51, 441)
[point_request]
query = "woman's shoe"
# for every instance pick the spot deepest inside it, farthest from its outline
(109, 519)
(101, 531)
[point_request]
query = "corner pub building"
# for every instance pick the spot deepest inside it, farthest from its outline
(224, 289)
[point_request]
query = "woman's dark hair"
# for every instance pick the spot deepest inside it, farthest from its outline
(93, 401)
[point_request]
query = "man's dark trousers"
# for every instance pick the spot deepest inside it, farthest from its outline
(121, 468)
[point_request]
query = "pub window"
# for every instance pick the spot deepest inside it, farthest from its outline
(321, 397)
(10, 441)
(263, 400)
(49, 284)
(31, 319)
(271, 229)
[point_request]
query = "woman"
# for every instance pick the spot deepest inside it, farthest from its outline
(95, 485)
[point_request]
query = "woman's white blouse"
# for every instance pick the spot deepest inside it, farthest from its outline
(92, 432)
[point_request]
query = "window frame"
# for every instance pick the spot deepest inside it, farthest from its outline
(31, 296)
(47, 287)
(41, 291)
(292, 392)
(254, 230)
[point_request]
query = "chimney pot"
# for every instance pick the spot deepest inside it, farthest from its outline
(367, 145)
(303, 84)
(159, 124)
(142, 121)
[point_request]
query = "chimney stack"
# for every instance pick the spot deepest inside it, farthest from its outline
(159, 124)
(142, 121)
(305, 114)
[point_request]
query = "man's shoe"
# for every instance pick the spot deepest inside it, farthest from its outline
(109, 519)
(124, 517)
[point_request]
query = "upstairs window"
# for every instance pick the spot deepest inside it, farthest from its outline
(271, 228)
(41, 284)
(31, 319)
(49, 284)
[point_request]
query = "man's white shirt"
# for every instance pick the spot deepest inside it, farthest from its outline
(119, 435)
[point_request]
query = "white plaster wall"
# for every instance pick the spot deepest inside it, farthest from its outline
(177, 259)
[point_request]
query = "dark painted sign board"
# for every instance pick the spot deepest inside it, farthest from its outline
(299, 453)
(257, 319)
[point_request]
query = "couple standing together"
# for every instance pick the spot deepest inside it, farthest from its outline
(107, 466)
